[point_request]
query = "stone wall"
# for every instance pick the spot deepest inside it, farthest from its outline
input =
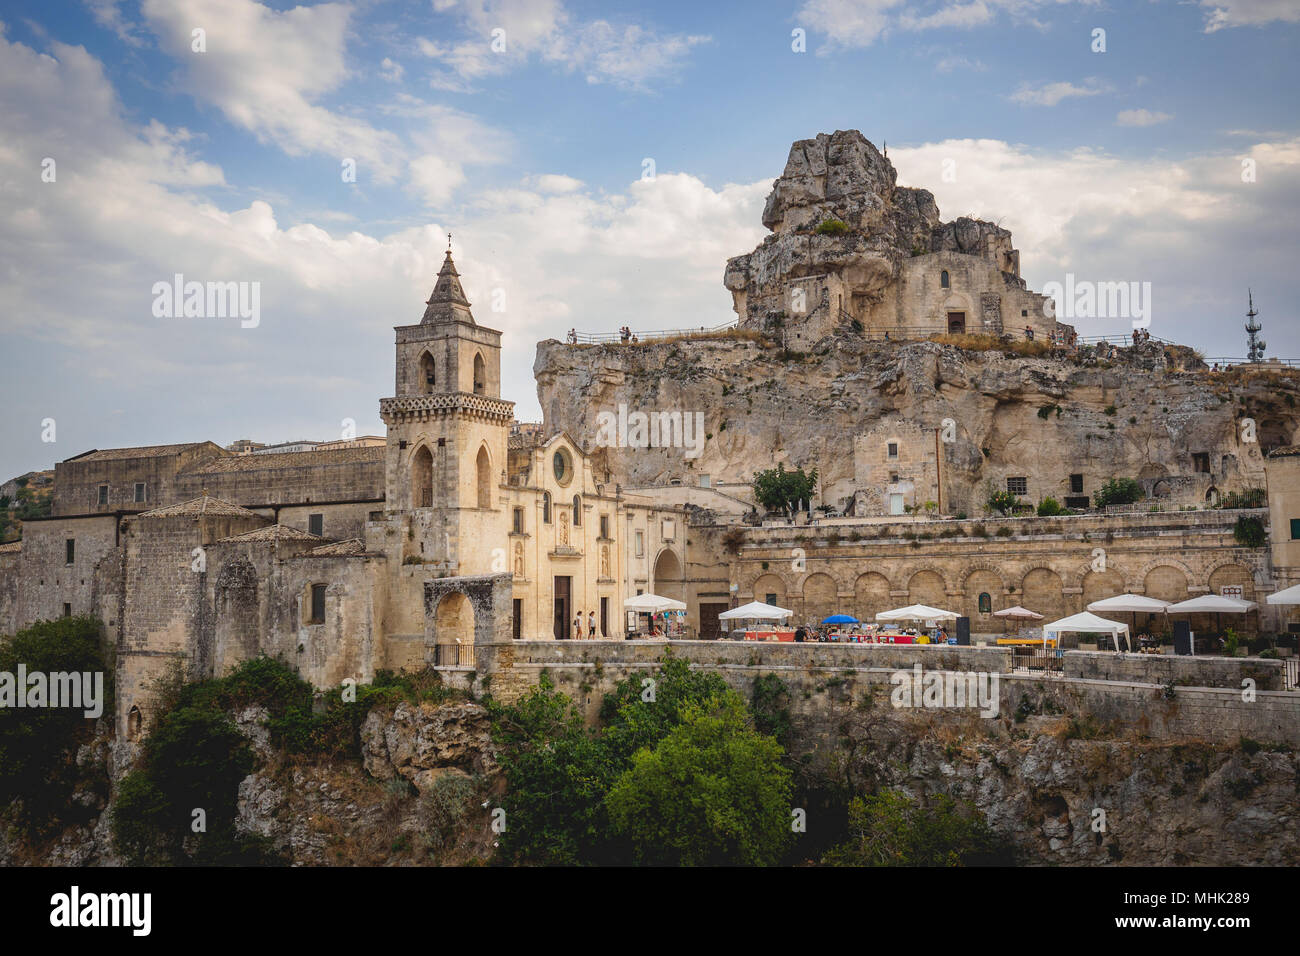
(1223, 672)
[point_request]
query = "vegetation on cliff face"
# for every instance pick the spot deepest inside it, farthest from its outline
(195, 757)
(38, 770)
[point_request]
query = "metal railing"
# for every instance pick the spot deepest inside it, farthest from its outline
(605, 338)
(1226, 363)
(1291, 674)
(1126, 340)
(453, 655)
(1038, 659)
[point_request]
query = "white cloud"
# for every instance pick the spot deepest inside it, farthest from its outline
(853, 24)
(1141, 117)
(1223, 14)
(1052, 93)
(391, 71)
(950, 63)
(505, 34)
(108, 14)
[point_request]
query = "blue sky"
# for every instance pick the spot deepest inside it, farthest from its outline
(225, 165)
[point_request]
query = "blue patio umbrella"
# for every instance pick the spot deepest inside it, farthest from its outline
(840, 619)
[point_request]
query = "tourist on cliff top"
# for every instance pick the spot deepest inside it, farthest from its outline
(591, 624)
(577, 626)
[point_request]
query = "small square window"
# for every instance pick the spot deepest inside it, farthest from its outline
(139, 491)
(1076, 484)
(1295, 529)
(67, 610)
(1018, 486)
(893, 449)
(316, 525)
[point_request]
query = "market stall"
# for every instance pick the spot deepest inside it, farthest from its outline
(764, 618)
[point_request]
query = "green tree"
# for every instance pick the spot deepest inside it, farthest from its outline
(1001, 502)
(712, 793)
(892, 829)
(1049, 507)
(1249, 532)
(1118, 491)
(779, 490)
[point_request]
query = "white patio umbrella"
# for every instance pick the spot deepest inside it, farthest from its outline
(915, 612)
(1290, 595)
(1018, 613)
(652, 604)
(1085, 623)
(1215, 604)
(1134, 604)
(756, 611)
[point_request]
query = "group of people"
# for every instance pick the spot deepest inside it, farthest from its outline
(592, 633)
(1140, 336)
(625, 334)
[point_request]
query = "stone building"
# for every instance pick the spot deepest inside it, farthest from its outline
(462, 530)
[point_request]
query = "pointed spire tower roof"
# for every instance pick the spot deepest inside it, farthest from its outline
(447, 303)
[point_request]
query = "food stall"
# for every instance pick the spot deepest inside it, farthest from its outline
(923, 614)
(671, 612)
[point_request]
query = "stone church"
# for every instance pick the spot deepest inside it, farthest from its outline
(464, 530)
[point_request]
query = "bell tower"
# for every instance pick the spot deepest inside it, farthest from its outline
(447, 431)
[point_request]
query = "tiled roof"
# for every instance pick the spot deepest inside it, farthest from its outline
(142, 451)
(203, 505)
(274, 532)
(349, 547)
(288, 459)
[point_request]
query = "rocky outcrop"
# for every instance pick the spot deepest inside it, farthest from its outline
(1045, 417)
(842, 178)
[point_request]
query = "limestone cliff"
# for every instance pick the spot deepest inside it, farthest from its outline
(1152, 413)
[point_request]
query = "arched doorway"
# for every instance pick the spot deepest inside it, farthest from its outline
(927, 587)
(134, 723)
(453, 630)
(669, 580)
(422, 478)
(870, 596)
(1043, 592)
(483, 468)
(819, 598)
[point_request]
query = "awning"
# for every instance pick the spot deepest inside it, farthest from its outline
(1019, 611)
(1290, 595)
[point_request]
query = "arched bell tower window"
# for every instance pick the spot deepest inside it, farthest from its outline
(427, 378)
(943, 279)
(546, 506)
(577, 511)
(422, 478)
(484, 469)
(480, 374)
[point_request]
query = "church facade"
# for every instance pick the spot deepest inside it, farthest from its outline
(464, 530)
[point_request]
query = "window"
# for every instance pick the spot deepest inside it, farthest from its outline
(1295, 529)
(893, 477)
(427, 372)
(1076, 484)
(518, 526)
(517, 618)
(770, 598)
(317, 604)
(67, 610)
(546, 507)
(1201, 462)
(139, 491)
(577, 511)
(1081, 502)
(604, 617)
(560, 465)
(943, 279)
(604, 526)
(640, 543)
(706, 481)
(986, 603)
(893, 449)
(316, 525)
(1024, 313)
(70, 547)
(103, 494)
(480, 375)
(1018, 486)
(669, 529)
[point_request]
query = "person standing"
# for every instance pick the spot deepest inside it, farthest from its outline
(591, 625)
(577, 627)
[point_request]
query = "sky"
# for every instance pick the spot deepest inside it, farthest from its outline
(596, 165)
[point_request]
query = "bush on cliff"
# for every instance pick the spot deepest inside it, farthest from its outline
(38, 772)
(891, 828)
